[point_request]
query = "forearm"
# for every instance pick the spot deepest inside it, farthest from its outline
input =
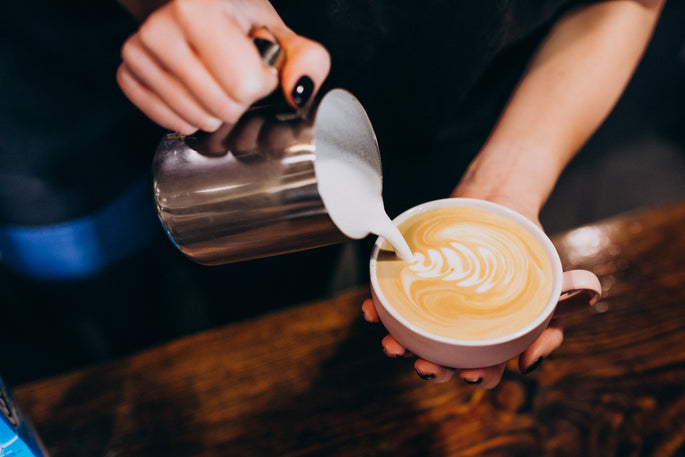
(570, 86)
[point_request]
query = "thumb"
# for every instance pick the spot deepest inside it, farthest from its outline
(305, 67)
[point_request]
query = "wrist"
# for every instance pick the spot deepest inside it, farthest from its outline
(521, 180)
(520, 202)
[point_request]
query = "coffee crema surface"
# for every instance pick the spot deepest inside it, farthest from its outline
(476, 275)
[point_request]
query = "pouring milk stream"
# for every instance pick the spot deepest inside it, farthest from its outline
(351, 189)
(349, 176)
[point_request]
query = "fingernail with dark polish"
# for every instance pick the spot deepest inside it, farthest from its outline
(302, 91)
(473, 381)
(427, 377)
(534, 365)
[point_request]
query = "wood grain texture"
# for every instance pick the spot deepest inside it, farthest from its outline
(312, 380)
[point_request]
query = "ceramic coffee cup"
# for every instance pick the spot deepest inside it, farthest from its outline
(446, 325)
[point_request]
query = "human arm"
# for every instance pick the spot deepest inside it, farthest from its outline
(571, 84)
(192, 64)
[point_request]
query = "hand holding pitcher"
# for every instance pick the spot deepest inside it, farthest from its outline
(192, 65)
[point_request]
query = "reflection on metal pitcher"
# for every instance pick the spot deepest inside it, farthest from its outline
(251, 191)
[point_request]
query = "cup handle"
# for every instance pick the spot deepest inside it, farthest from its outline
(580, 290)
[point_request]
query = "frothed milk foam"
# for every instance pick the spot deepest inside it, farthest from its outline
(476, 274)
(348, 171)
(352, 192)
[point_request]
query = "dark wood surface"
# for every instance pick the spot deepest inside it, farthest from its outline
(312, 380)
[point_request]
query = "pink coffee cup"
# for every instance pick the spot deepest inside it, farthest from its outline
(572, 291)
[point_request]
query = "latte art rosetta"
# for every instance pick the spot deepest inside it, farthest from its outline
(486, 263)
(463, 266)
(476, 274)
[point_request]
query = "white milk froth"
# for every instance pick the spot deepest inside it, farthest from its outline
(482, 264)
(352, 192)
(348, 171)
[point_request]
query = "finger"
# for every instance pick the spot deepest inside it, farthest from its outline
(148, 72)
(484, 378)
(163, 38)
(434, 373)
(223, 44)
(393, 348)
(369, 311)
(150, 104)
(547, 342)
(306, 65)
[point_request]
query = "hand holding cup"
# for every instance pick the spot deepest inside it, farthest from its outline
(486, 284)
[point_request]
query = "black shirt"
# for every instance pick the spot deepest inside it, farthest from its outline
(433, 76)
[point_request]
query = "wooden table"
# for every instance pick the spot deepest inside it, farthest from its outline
(312, 380)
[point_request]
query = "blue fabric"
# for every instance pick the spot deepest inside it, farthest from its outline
(85, 246)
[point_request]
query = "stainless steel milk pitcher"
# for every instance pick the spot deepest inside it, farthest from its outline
(251, 191)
